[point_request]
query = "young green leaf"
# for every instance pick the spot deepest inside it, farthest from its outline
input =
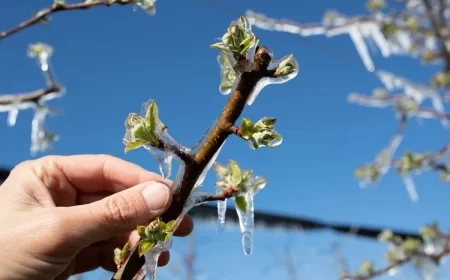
(141, 231)
(133, 145)
(144, 246)
(170, 225)
(236, 175)
(241, 203)
(246, 127)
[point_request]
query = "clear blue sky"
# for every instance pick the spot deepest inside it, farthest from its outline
(111, 60)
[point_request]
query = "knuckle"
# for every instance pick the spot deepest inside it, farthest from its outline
(118, 209)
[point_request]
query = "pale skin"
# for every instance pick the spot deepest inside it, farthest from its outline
(64, 215)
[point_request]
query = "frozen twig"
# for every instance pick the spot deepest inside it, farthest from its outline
(34, 97)
(43, 14)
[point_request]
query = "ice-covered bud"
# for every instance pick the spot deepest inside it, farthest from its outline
(429, 55)
(329, 17)
(366, 267)
(411, 246)
(39, 49)
(121, 255)
(227, 73)
(233, 177)
(386, 236)
(389, 29)
(412, 23)
(430, 232)
(367, 173)
(375, 5)
(156, 231)
(441, 79)
(287, 66)
(406, 106)
(240, 43)
(142, 131)
(393, 256)
(409, 162)
(248, 186)
(260, 134)
(59, 3)
(445, 175)
(148, 6)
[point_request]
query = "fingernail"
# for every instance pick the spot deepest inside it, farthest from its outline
(156, 195)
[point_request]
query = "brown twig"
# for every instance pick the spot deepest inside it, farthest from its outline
(229, 192)
(237, 131)
(44, 13)
(28, 97)
(193, 168)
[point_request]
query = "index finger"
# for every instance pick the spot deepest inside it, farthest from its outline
(97, 173)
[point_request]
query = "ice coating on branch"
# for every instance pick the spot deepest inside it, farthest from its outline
(41, 139)
(147, 130)
(285, 68)
(239, 45)
(202, 176)
(151, 258)
(390, 33)
(419, 92)
(370, 173)
(232, 176)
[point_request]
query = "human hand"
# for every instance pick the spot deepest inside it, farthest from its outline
(64, 215)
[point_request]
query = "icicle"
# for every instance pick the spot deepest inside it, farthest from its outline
(151, 258)
(41, 139)
(361, 47)
(164, 160)
(221, 210)
(410, 187)
(12, 116)
(246, 223)
(375, 32)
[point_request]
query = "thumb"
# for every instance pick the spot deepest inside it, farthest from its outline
(121, 212)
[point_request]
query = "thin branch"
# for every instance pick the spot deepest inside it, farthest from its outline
(437, 32)
(212, 144)
(229, 192)
(237, 131)
(28, 97)
(43, 14)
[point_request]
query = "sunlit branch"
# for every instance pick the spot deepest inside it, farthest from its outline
(42, 15)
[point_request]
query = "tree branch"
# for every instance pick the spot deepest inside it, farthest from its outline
(28, 97)
(230, 192)
(193, 169)
(43, 14)
(437, 32)
(236, 131)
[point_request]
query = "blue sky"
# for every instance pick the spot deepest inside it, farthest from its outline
(111, 60)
